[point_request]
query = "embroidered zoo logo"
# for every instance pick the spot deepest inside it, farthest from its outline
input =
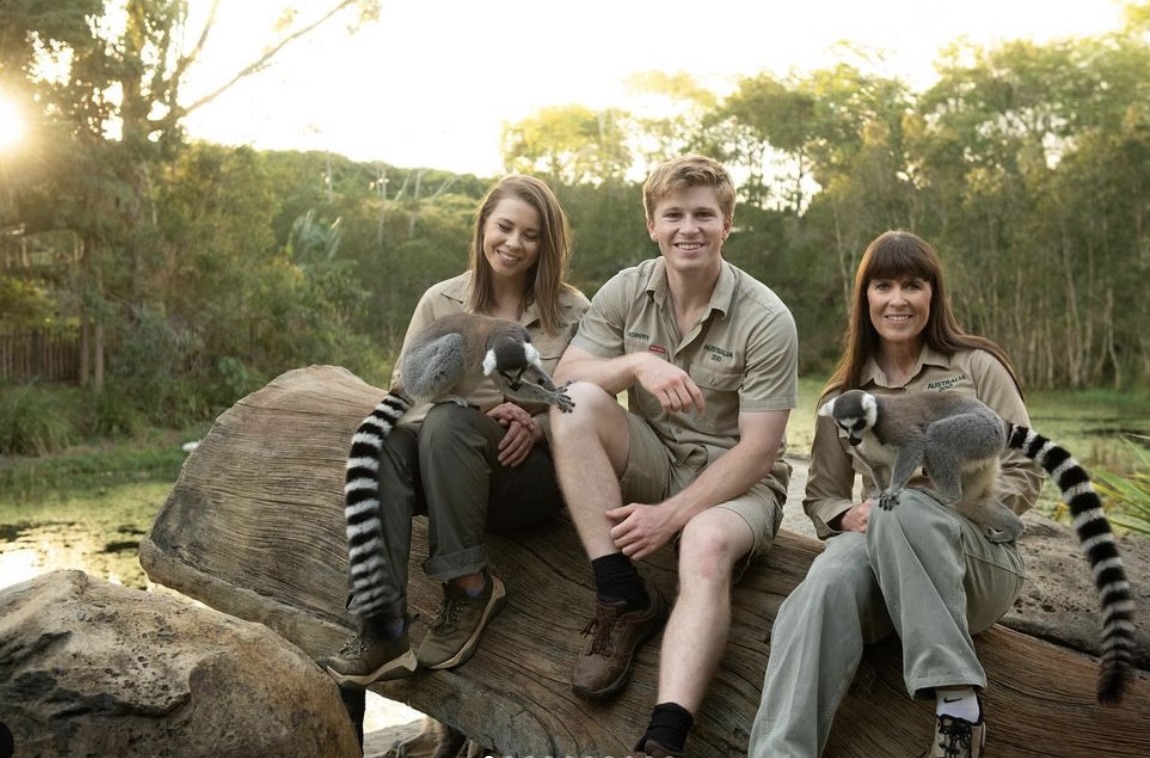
(718, 353)
(945, 384)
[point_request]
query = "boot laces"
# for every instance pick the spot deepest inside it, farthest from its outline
(353, 645)
(449, 614)
(601, 626)
(957, 735)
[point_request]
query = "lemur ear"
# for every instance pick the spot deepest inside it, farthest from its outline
(489, 363)
(532, 355)
(827, 408)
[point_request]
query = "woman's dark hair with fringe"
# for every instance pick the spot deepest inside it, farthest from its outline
(897, 255)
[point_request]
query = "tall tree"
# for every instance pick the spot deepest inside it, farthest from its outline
(107, 76)
(572, 144)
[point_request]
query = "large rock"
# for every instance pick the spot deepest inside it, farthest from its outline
(89, 668)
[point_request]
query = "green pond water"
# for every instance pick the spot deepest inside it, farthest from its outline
(98, 532)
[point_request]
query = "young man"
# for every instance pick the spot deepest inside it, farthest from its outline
(708, 356)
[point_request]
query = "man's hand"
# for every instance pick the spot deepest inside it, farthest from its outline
(673, 387)
(522, 433)
(642, 529)
(857, 518)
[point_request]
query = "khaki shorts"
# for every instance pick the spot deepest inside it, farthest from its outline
(656, 471)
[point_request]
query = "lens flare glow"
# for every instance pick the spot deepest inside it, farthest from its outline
(11, 125)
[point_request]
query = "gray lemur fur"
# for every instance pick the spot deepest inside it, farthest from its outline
(956, 439)
(450, 357)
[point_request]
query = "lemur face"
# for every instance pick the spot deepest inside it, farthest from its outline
(853, 412)
(516, 360)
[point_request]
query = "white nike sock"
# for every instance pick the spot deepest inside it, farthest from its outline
(959, 702)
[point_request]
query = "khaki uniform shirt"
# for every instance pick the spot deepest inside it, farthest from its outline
(834, 464)
(450, 296)
(743, 352)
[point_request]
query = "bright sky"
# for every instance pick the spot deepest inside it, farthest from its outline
(434, 81)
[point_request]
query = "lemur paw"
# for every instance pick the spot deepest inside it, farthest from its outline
(888, 500)
(563, 401)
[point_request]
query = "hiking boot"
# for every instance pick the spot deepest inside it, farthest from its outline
(958, 738)
(454, 636)
(371, 656)
(652, 749)
(616, 634)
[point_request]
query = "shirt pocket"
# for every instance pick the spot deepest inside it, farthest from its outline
(720, 388)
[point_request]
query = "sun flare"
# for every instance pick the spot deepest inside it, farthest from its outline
(11, 125)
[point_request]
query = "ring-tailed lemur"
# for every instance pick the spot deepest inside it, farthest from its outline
(957, 440)
(445, 362)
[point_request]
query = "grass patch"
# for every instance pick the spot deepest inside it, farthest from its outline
(34, 421)
(93, 470)
(801, 424)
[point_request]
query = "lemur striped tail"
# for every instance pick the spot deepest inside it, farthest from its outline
(1097, 541)
(366, 563)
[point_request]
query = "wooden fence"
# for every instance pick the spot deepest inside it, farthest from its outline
(42, 356)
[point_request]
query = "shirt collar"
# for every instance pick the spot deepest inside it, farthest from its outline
(721, 297)
(928, 356)
(459, 290)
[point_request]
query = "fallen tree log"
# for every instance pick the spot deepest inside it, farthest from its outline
(254, 528)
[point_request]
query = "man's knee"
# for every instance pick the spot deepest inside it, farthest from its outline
(594, 411)
(712, 542)
(588, 398)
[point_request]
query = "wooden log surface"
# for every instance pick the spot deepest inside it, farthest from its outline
(254, 528)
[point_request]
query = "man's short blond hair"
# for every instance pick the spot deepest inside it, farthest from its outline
(688, 171)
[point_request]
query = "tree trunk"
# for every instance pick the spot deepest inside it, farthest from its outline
(254, 528)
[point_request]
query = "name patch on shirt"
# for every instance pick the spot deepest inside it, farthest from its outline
(639, 336)
(657, 349)
(946, 383)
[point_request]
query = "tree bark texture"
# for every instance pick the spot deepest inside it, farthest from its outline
(254, 527)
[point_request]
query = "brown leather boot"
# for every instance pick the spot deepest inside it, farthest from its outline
(615, 634)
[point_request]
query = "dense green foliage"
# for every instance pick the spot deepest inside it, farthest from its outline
(194, 273)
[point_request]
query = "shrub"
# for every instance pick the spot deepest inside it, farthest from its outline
(36, 420)
(114, 414)
(1130, 494)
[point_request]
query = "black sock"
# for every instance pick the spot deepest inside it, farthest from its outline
(616, 578)
(385, 626)
(670, 723)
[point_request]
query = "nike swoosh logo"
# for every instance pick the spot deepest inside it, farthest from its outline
(951, 700)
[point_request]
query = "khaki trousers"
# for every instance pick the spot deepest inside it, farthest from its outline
(922, 571)
(447, 467)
